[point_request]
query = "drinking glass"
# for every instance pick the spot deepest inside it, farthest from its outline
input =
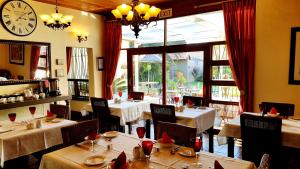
(12, 117)
(92, 137)
(176, 99)
(32, 111)
(141, 132)
(120, 93)
(197, 145)
(147, 148)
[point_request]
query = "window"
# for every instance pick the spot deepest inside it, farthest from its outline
(43, 65)
(78, 74)
(191, 60)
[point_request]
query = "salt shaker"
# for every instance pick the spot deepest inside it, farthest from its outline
(109, 146)
(136, 152)
(38, 123)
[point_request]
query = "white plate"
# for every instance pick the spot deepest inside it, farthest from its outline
(187, 153)
(94, 160)
(273, 115)
(111, 134)
(6, 129)
(56, 120)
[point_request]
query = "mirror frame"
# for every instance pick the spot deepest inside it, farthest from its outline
(3, 41)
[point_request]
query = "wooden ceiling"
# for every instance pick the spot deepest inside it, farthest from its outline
(98, 6)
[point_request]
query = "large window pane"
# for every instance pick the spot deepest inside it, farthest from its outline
(147, 76)
(148, 37)
(225, 93)
(184, 74)
(205, 27)
(120, 82)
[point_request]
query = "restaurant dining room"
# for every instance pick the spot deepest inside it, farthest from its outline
(149, 84)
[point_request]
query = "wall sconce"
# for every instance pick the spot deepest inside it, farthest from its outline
(81, 36)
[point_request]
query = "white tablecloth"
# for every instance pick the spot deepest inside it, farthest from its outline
(290, 131)
(73, 157)
(202, 119)
(22, 141)
(126, 110)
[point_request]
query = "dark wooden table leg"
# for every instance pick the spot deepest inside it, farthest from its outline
(211, 139)
(148, 128)
(230, 142)
(69, 109)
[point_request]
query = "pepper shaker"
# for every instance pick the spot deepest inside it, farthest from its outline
(38, 123)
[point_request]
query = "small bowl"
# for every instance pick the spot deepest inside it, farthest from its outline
(165, 145)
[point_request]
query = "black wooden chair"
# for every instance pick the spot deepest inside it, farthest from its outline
(197, 101)
(285, 109)
(76, 133)
(101, 111)
(137, 95)
(260, 135)
(164, 113)
(180, 133)
(62, 111)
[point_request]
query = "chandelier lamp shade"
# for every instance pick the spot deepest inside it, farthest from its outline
(57, 21)
(137, 15)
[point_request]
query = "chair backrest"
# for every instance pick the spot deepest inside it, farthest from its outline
(5, 73)
(76, 133)
(61, 111)
(285, 109)
(165, 113)
(198, 101)
(180, 133)
(100, 107)
(260, 135)
(137, 95)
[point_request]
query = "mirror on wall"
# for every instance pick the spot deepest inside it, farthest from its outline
(24, 60)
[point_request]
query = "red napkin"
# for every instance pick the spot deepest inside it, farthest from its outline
(166, 138)
(120, 162)
(273, 110)
(49, 113)
(217, 165)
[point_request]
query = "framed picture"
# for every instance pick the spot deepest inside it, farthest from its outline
(16, 54)
(100, 64)
(294, 67)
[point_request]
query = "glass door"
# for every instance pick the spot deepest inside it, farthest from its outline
(147, 76)
(184, 74)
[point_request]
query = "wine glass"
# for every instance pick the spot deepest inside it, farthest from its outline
(147, 148)
(197, 145)
(32, 111)
(141, 132)
(12, 117)
(92, 135)
(176, 99)
(120, 93)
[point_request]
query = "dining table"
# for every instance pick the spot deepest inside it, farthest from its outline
(75, 156)
(127, 110)
(201, 118)
(17, 140)
(290, 135)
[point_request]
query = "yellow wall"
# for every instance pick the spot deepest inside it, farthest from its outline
(87, 22)
(274, 20)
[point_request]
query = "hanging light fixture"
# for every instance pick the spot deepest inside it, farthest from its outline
(57, 21)
(137, 15)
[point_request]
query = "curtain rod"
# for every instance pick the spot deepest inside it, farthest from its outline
(212, 4)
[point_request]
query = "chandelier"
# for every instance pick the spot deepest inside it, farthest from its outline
(137, 15)
(57, 21)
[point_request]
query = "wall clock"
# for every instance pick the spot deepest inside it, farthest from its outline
(18, 17)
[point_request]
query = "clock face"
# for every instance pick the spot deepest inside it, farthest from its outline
(18, 17)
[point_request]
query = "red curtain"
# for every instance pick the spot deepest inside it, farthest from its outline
(69, 58)
(239, 17)
(112, 48)
(34, 60)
